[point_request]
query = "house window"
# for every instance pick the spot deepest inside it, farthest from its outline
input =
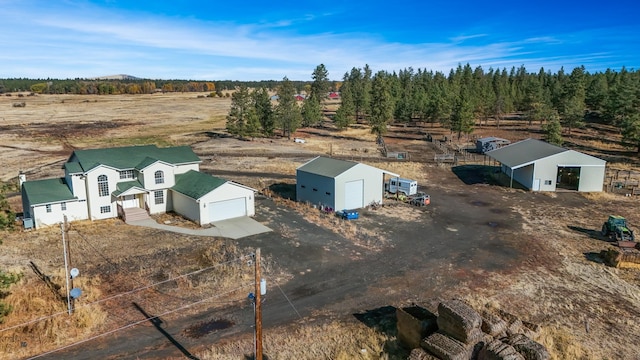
(547, 182)
(48, 207)
(105, 209)
(159, 197)
(103, 185)
(126, 174)
(63, 206)
(328, 193)
(159, 175)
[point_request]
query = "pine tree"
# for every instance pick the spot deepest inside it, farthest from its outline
(311, 112)
(553, 131)
(264, 111)
(287, 111)
(345, 115)
(462, 116)
(381, 104)
(239, 112)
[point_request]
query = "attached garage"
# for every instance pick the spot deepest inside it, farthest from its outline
(227, 209)
(540, 166)
(339, 184)
(205, 199)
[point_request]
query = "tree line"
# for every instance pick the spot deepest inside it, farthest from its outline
(129, 86)
(465, 97)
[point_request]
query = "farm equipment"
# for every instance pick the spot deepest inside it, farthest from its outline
(420, 200)
(616, 229)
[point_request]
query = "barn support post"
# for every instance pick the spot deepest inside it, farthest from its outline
(511, 182)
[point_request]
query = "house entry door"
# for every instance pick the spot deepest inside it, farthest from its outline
(130, 201)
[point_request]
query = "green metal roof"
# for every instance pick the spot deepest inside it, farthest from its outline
(130, 157)
(73, 168)
(146, 162)
(195, 184)
(127, 185)
(39, 192)
(326, 166)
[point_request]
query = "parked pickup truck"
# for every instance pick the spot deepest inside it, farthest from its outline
(347, 214)
(420, 200)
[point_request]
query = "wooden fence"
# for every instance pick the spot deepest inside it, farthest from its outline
(622, 181)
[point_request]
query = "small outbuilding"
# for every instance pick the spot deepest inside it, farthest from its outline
(486, 144)
(540, 166)
(339, 184)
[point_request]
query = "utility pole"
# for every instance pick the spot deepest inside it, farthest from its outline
(63, 229)
(71, 274)
(258, 308)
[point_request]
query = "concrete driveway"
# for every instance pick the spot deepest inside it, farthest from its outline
(232, 228)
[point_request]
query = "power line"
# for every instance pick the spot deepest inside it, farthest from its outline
(123, 294)
(136, 323)
(289, 301)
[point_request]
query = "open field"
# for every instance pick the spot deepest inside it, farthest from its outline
(527, 253)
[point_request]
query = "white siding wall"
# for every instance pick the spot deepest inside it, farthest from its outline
(186, 206)
(592, 171)
(95, 202)
(373, 186)
(76, 210)
(181, 169)
(78, 186)
(591, 178)
(148, 179)
(227, 191)
(523, 175)
(157, 208)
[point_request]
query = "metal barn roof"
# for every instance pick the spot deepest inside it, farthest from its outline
(524, 152)
(327, 167)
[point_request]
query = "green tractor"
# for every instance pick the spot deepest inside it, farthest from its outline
(617, 230)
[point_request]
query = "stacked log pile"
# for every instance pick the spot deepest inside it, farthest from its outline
(464, 334)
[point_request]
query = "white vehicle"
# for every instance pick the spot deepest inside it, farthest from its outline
(405, 186)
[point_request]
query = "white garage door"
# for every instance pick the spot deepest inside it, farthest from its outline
(227, 209)
(354, 194)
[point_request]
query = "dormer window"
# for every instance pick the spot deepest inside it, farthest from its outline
(126, 174)
(159, 175)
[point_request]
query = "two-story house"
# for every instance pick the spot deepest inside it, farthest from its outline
(107, 183)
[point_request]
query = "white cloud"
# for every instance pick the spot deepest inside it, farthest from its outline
(88, 41)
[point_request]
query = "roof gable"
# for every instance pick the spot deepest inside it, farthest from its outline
(123, 188)
(47, 191)
(195, 184)
(524, 152)
(327, 167)
(130, 157)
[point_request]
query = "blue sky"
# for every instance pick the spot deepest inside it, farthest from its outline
(268, 40)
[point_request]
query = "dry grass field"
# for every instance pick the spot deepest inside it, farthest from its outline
(587, 310)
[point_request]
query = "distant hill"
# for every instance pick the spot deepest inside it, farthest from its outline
(118, 77)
